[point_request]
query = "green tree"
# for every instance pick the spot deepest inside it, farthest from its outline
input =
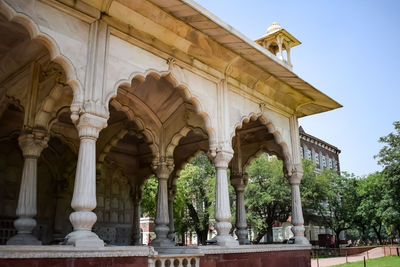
(389, 158)
(148, 204)
(196, 189)
(371, 208)
(267, 196)
(336, 201)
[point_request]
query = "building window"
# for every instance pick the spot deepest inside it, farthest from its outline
(330, 163)
(301, 152)
(308, 154)
(316, 159)
(323, 161)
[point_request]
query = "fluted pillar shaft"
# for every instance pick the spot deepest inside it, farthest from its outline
(162, 170)
(84, 196)
(222, 207)
(31, 145)
(297, 211)
(136, 236)
(239, 184)
(171, 197)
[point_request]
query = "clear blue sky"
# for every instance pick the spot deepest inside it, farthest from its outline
(350, 51)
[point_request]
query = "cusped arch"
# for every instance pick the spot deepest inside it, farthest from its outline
(250, 159)
(176, 83)
(148, 134)
(178, 136)
(271, 129)
(50, 107)
(53, 48)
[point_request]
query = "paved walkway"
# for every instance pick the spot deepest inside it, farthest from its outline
(373, 253)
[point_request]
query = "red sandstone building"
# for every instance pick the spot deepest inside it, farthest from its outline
(322, 153)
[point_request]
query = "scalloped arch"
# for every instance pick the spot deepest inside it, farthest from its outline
(48, 112)
(177, 137)
(53, 48)
(271, 129)
(140, 124)
(259, 152)
(180, 85)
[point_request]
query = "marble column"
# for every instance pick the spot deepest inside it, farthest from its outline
(222, 207)
(136, 235)
(297, 211)
(171, 197)
(84, 196)
(239, 182)
(31, 145)
(163, 171)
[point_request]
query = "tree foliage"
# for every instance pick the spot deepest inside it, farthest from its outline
(330, 200)
(195, 197)
(148, 204)
(267, 196)
(371, 209)
(389, 158)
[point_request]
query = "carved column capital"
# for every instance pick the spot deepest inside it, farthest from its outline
(163, 168)
(295, 174)
(223, 157)
(239, 181)
(89, 125)
(32, 144)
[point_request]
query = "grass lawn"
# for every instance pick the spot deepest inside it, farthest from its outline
(388, 261)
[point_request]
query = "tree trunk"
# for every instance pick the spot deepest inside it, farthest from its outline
(270, 236)
(378, 234)
(260, 235)
(337, 234)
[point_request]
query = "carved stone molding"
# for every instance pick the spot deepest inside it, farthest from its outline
(32, 144)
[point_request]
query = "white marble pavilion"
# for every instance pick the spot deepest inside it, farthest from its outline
(95, 96)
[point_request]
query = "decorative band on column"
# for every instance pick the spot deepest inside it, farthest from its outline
(297, 211)
(222, 206)
(31, 145)
(84, 196)
(239, 182)
(162, 169)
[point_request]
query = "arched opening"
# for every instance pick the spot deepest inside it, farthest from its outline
(254, 142)
(191, 185)
(124, 158)
(34, 100)
(152, 122)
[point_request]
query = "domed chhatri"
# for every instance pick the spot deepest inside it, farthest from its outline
(274, 27)
(277, 41)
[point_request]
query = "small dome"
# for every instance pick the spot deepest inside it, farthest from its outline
(275, 26)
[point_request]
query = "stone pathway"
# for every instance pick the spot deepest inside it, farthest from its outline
(373, 253)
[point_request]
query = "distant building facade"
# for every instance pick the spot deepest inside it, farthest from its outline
(323, 154)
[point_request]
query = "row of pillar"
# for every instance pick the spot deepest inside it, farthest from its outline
(84, 195)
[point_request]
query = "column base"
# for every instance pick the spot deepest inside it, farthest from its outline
(171, 236)
(301, 240)
(24, 239)
(226, 241)
(244, 241)
(84, 239)
(162, 243)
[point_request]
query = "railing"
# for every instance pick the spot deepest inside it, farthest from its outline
(7, 229)
(168, 260)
